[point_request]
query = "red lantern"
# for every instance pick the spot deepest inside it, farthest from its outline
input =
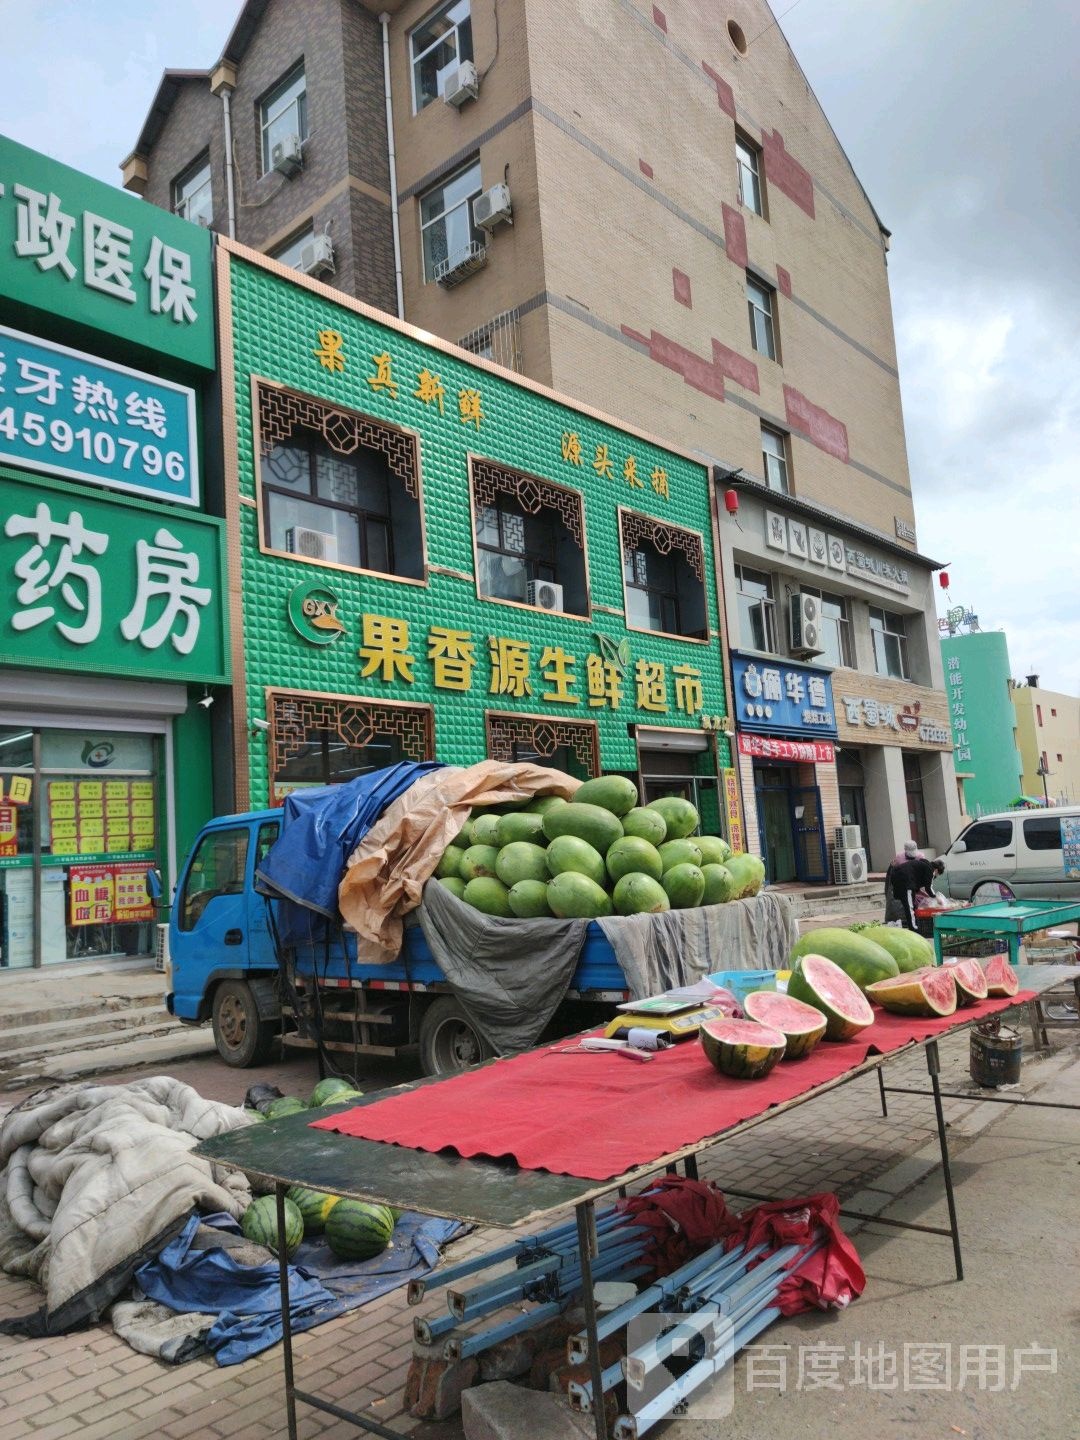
(731, 502)
(943, 579)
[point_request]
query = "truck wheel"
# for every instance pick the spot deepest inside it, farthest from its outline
(241, 1037)
(449, 1041)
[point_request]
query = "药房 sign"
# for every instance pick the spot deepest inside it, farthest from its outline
(70, 414)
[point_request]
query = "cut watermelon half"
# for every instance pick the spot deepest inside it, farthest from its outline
(930, 992)
(742, 1049)
(970, 980)
(802, 1025)
(1001, 979)
(821, 983)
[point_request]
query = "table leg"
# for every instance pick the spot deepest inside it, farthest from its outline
(586, 1232)
(690, 1167)
(933, 1065)
(881, 1090)
(938, 957)
(286, 1315)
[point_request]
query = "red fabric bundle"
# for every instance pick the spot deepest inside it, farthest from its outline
(827, 1280)
(685, 1217)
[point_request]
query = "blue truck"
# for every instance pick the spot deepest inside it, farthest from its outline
(225, 966)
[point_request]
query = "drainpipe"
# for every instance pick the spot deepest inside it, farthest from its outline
(384, 21)
(223, 82)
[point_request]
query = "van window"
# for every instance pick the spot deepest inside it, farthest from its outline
(1043, 833)
(988, 835)
(217, 869)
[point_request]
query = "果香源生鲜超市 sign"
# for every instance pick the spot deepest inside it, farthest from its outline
(121, 587)
(88, 419)
(781, 697)
(77, 249)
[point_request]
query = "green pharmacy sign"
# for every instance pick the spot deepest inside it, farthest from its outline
(73, 247)
(90, 582)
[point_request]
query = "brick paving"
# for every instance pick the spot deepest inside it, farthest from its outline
(93, 1386)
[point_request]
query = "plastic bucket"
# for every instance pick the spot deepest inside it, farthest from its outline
(995, 1059)
(741, 982)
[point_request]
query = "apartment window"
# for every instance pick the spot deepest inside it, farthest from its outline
(1054, 712)
(1038, 713)
(283, 112)
(438, 48)
(663, 577)
(446, 222)
(1059, 757)
(192, 197)
(889, 634)
(759, 300)
(774, 460)
(288, 253)
(835, 627)
(528, 531)
(757, 611)
(747, 157)
(916, 804)
(1045, 766)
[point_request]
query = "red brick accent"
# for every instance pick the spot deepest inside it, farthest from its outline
(819, 427)
(724, 94)
(699, 373)
(783, 281)
(681, 285)
(634, 335)
(645, 168)
(659, 19)
(734, 236)
(784, 173)
(736, 367)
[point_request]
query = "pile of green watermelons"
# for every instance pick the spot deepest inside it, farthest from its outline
(869, 953)
(354, 1230)
(598, 854)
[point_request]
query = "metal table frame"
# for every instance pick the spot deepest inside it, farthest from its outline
(508, 1198)
(1009, 920)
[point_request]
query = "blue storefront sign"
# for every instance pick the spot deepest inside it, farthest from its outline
(73, 415)
(782, 698)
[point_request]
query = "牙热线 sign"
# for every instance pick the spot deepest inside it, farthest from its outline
(782, 698)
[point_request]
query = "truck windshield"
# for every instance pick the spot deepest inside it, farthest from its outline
(217, 868)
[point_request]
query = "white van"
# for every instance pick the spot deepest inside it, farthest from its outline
(1018, 848)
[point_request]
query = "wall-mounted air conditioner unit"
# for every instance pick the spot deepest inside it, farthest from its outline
(850, 867)
(317, 256)
(805, 624)
(311, 544)
(459, 266)
(463, 85)
(545, 594)
(493, 208)
(287, 156)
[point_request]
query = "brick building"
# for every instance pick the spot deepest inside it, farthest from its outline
(644, 208)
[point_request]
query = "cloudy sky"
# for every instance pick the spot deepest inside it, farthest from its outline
(960, 117)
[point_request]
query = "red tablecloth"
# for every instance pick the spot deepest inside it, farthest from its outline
(596, 1115)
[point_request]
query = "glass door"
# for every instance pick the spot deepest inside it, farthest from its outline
(17, 847)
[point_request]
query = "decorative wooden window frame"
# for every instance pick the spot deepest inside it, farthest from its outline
(666, 537)
(543, 734)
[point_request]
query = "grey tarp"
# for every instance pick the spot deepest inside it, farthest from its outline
(508, 975)
(659, 952)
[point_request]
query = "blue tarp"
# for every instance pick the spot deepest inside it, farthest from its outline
(320, 828)
(246, 1298)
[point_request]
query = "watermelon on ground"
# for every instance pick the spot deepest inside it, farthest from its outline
(930, 992)
(858, 957)
(742, 1049)
(818, 981)
(611, 792)
(1001, 979)
(327, 1088)
(802, 1025)
(971, 986)
(639, 894)
(284, 1105)
(356, 1230)
(314, 1207)
(259, 1224)
(679, 815)
(909, 950)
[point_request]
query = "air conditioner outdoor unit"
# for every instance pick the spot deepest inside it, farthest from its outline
(287, 156)
(317, 256)
(848, 837)
(493, 207)
(545, 594)
(850, 866)
(805, 624)
(311, 544)
(463, 85)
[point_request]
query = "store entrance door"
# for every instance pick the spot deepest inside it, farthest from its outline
(809, 835)
(789, 823)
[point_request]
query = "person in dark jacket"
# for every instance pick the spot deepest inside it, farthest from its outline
(906, 881)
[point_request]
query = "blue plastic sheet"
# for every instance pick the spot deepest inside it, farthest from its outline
(320, 828)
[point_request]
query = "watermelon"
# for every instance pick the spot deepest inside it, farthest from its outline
(685, 886)
(748, 872)
(485, 830)
(455, 885)
(326, 1089)
(543, 803)
(646, 824)
(567, 852)
(611, 792)
(259, 1224)
(858, 957)
(931, 992)
(817, 981)
(521, 825)
(573, 896)
(714, 851)
(680, 852)
(314, 1207)
(284, 1105)
(1001, 979)
(521, 860)
(345, 1097)
(478, 860)
(356, 1230)
(970, 981)
(638, 894)
(450, 863)
(719, 885)
(528, 900)
(742, 1049)
(802, 1025)
(679, 815)
(591, 823)
(909, 950)
(488, 895)
(633, 856)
